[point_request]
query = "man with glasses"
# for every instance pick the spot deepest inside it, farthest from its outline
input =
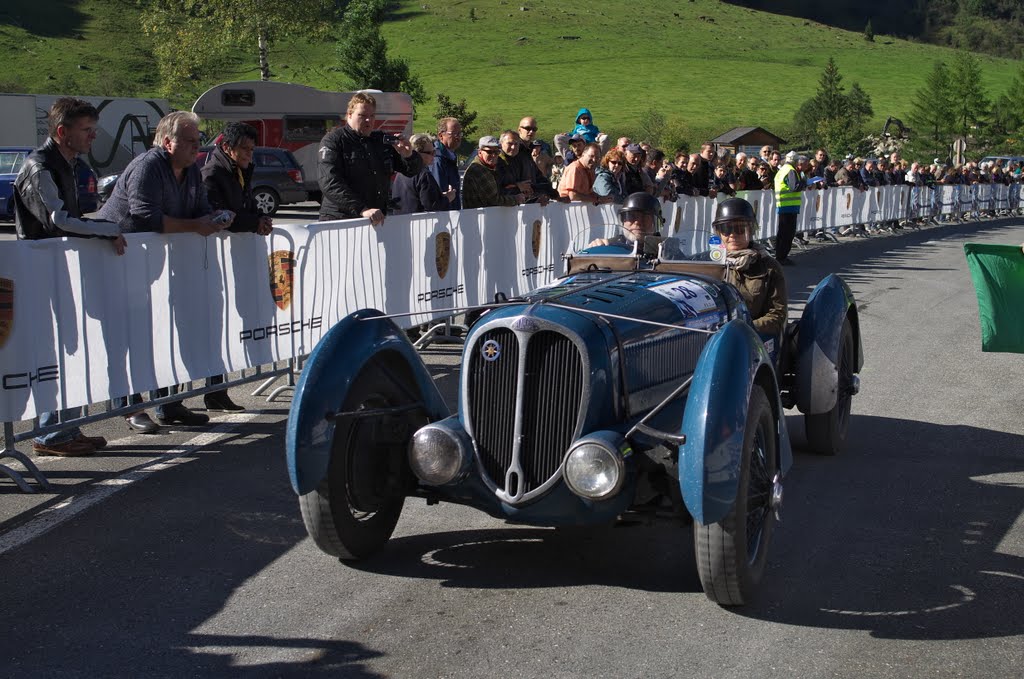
(480, 186)
(521, 165)
(162, 190)
(528, 134)
(445, 168)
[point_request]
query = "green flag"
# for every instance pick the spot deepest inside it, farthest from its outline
(998, 275)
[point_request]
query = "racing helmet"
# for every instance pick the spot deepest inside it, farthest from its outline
(735, 210)
(644, 202)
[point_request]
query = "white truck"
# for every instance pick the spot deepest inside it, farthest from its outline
(126, 126)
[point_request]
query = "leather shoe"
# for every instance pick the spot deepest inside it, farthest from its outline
(219, 400)
(179, 414)
(142, 423)
(70, 449)
(786, 261)
(97, 442)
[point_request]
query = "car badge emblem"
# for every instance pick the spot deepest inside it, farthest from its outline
(524, 324)
(717, 249)
(491, 351)
(442, 252)
(6, 309)
(282, 274)
(536, 238)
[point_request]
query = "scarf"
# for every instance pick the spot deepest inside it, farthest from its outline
(741, 260)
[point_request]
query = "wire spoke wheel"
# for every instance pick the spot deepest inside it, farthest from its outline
(732, 553)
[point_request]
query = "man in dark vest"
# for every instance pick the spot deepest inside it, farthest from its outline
(46, 206)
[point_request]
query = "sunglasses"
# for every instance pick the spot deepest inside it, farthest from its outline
(490, 151)
(615, 162)
(528, 128)
(731, 228)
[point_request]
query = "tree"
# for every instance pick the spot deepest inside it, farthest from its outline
(447, 109)
(968, 103)
(363, 52)
(1008, 112)
(832, 118)
(931, 108)
(869, 33)
(192, 36)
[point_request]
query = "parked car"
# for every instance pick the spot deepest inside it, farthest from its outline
(628, 389)
(11, 160)
(277, 179)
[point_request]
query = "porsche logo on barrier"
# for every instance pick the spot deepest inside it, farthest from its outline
(282, 273)
(849, 199)
(878, 194)
(817, 203)
(442, 252)
(536, 238)
(6, 309)
(756, 206)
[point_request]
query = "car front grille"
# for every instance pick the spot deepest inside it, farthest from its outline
(551, 381)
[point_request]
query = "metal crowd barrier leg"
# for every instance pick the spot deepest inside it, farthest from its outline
(16, 476)
(285, 387)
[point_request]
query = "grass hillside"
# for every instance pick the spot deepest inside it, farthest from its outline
(708, 65)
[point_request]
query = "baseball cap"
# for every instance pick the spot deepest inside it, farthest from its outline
(634, 148)
(577, 137)
(489, 142)
(791, 156)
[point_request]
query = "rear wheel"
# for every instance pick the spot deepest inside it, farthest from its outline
(266, 200)
(354, 510)
(731, 554)
(826, 432)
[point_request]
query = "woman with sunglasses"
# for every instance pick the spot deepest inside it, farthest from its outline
(611, 176)
(749, 267)
(420, 193)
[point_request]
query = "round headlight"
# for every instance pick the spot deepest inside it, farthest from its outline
(594, 471)
(435, 455)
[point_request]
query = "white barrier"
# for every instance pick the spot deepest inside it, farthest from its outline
(79, 325)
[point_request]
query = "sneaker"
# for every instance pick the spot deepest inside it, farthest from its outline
(142, 423)
(70, 449)
(219, 400)
(97, 442)
(179, 414)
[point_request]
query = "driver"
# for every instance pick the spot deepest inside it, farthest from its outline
(750, 269)
(641, 217)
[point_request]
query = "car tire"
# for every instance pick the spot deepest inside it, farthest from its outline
(354, 510)
(731, 554)
(267, 201)
(826, 432)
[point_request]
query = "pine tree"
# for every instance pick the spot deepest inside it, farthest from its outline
(931, 109)
(363, 53)
(968, 101)
(1008, 112)
(869, 33)
(833, 118)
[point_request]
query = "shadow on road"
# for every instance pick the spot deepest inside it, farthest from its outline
(908, 535)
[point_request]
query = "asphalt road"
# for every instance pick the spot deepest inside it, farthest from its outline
(184, 554)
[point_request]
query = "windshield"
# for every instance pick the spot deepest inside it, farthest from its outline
(11, 161)
(678, 241)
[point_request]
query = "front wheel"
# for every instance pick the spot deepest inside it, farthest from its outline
(826, 432)
(731, 554)
(354, 510)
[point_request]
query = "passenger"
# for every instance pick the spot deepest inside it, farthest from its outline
(641, 217)
(750, 268)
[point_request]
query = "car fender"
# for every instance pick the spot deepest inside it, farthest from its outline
(817, 353)
(715, 418)
(326, 377)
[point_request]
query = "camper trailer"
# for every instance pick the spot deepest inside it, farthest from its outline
(296, 117)
(126, 126)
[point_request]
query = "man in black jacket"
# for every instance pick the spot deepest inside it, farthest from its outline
(227, 175)
(46, 206)
(356, 164)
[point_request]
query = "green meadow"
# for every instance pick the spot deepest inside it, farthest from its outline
(706, 65)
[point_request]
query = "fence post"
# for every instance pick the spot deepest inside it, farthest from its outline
(16, 476)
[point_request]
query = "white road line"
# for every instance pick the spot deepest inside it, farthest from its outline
(51, 517)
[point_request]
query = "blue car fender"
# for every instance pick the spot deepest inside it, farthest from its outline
(327, 376)
(715, 420)
(817, 354)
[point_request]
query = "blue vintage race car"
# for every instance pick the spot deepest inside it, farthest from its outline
(628, 388)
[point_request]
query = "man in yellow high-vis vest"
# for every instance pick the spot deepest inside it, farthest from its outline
(787, 207)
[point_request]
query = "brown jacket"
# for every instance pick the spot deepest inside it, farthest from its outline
(761, 283)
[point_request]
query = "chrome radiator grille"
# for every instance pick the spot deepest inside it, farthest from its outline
(551, 380)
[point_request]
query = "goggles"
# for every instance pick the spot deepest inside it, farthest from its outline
(733, 227)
